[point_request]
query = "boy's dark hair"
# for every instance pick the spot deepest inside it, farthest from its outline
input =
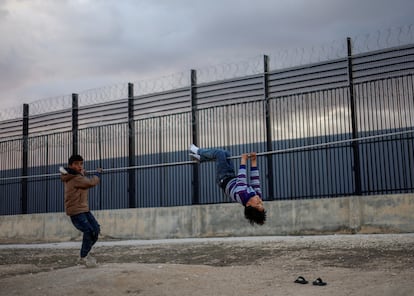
(254, 215)
(75, 157)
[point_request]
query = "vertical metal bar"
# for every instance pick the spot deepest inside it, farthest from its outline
(401, 89)
(382, 117)
(131, 147)
(25, 158)
(194, 127)
(75, 123)
(375, 93)
(160, 159)
(364, 91)
(355, 145)
(305, 180)
(295, 156)
(268, 126)
(396, 142)
(98, 129)
(47, 154)
(410, 90)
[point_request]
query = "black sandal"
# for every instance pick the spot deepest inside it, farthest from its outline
(301, 280)
(319, 282)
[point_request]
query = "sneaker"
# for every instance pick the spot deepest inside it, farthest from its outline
(194, 149)
(88, 261)
(195, 156)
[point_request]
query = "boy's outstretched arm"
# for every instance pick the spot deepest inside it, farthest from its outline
(253, 159)
(254, 174)
(86, 182)
(244, 158)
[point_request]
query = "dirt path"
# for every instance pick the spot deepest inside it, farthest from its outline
(351, 265)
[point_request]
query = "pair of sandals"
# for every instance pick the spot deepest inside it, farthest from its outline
(317, 282)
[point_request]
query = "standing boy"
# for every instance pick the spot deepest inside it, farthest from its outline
(76, 205)
(236, 186)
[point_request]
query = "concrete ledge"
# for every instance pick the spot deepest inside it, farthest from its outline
(356, 214)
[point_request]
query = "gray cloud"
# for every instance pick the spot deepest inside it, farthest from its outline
(52, 48)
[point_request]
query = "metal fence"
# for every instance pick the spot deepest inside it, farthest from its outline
(290, 113)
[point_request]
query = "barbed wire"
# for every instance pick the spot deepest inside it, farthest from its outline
(281, 59)
(103, 94)
(11, 113)
(288, 57)
(381, 39)
(38, 107)
(162, 84)
(50, 104)
(225, 71)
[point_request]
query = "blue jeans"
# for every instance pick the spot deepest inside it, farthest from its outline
(86, 223)
(224, 166)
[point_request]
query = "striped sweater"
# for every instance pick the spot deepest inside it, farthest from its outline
(239, 190)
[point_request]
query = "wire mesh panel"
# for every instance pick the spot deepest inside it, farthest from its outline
(148, 147)
(10, 190)
(175, 180)
(305, 120)
(38, 165)
(386, 106)
(46, 153)
(107, 147)
(163, 140)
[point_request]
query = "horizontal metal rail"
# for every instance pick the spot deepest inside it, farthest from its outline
(281, 151)
(313, 146)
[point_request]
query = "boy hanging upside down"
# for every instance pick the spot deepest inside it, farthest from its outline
(236, 187)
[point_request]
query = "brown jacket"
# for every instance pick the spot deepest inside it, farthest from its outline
(76, 192)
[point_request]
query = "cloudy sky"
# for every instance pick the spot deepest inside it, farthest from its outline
(57, 47)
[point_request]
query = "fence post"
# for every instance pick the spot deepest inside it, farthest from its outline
(25, 158)
(75, 123)
(194, 130)
(355, 145)
(131, 146)
(269, 140)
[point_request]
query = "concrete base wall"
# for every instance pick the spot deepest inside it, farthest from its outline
(358, 214)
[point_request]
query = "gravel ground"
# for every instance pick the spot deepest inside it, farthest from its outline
(350, 264)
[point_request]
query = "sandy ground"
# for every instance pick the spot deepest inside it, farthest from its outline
(350, 264)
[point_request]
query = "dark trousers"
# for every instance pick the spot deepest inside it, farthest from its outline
(224, 166)
(86, 223)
